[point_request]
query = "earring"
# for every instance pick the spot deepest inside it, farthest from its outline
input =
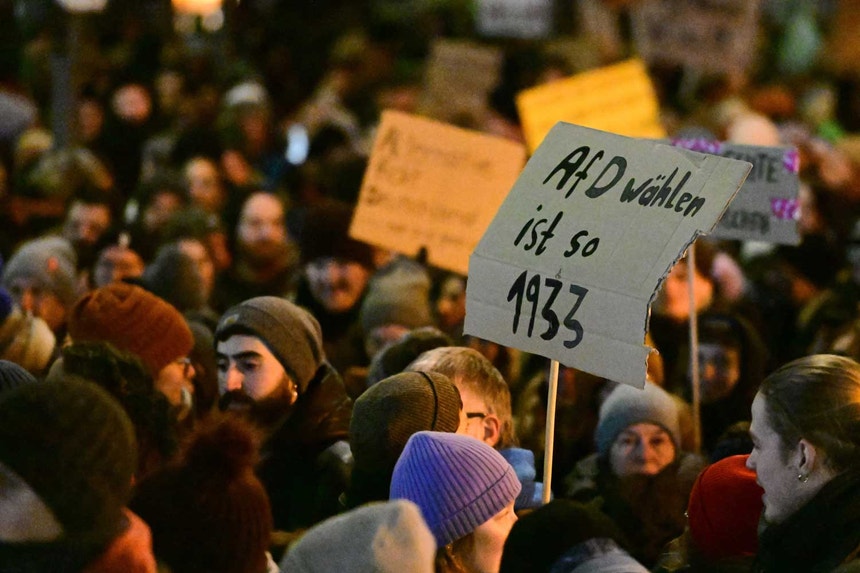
(802, 478)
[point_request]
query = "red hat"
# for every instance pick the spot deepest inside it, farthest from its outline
(134, 320)
(724, 510)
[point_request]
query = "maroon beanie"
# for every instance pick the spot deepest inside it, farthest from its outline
(724, 510)
(134, 320)
(209, 512)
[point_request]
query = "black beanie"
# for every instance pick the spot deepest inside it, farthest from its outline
(290, 332)
(73, 444)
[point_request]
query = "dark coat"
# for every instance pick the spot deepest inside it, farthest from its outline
(820, 537)
(306, 460)
(649, 510)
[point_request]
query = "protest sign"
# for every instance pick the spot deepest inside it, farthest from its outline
(459, 76)
(766, 208)
(618, 99)
(704, 35)
(570, 263)
(434, 186)
(528, 19)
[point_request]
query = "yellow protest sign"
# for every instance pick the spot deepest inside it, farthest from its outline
(570, 263)
(618, 99)
(434, 186)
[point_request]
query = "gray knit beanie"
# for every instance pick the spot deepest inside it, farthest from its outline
(627, 406)
(397, 295)
(50, 263)
(389, 412)
(291, 333)
(458, 482)
(385, 537)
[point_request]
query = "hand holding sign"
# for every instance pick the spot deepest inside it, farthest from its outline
(570, 263)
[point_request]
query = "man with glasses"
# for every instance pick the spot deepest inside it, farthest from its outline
(135, 320)
(486, 410)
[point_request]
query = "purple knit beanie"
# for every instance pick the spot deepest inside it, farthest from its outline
(458, 482)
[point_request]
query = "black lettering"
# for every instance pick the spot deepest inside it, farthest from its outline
(548, 234)
(661, 196)
(650, 192)
(629, 194)
(694, 207)
(685, 198)
(568, 166)
(525, 229)
(620, 165)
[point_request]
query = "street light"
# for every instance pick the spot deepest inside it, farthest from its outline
(200, 8)
(208, 11)
(82, 6)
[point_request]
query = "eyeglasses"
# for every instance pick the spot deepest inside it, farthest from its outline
(187, 366)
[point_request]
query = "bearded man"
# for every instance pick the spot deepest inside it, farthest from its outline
(272, 370)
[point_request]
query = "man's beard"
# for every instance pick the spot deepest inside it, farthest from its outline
(265, 253)
(265, 412)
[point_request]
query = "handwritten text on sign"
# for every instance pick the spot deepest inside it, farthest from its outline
(569, 265)
(766, 208)
(434, 186)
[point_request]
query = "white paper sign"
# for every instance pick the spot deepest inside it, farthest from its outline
(569, 265)
(514, 18)
(708, 35)
(766, 208)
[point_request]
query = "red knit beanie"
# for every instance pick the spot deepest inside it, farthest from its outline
(134, 320)
(725, 506)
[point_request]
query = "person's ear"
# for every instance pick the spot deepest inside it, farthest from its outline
(811, 461)
(492, 430)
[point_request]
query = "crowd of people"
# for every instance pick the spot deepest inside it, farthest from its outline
(201, 370)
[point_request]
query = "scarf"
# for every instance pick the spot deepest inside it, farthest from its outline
(820, 535)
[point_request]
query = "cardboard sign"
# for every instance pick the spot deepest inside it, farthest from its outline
(766, 208)
(529, 19)
(573, 258)
(459, 76)
(434, 186)
(706, 35)
(618, 99)
(843, 44)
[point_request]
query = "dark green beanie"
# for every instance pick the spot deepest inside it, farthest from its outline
(74, 446)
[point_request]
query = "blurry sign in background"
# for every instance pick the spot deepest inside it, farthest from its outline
(527, 19)
(704, 35)
(618, 98)
(434, 186)
(767, 206)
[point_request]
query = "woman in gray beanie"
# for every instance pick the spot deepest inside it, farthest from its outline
(639, 476)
